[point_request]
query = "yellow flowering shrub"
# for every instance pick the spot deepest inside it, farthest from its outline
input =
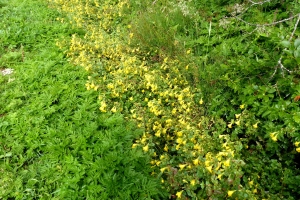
(191, 153)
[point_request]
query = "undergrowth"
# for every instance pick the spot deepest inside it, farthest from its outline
(213, 85)
(54, 142)
(204, 96)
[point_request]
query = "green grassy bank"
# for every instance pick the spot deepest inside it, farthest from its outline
(54, 142)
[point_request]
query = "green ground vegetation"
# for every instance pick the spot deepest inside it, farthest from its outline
(153, 99)
(54, 142)
(213, 84)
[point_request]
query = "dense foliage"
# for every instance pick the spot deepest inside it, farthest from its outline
(54, 142)
(214, 86)
(211, 86)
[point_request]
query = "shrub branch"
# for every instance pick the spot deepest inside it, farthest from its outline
(279, 63)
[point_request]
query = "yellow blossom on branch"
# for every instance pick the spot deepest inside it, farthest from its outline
(274, 136)
(201, 101)
(181, 166)
(193, 182)
(230, 193)
(237, 116)
(166, 148)
(229, 125)
(163, 169)
(178, 194)
(196, 161)
(146, 148)
(209, 168)
(114, 109)
(227, 163)
(255, 125)
(103, 106)
(220, 176)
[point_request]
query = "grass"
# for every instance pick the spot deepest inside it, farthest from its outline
(54, 143)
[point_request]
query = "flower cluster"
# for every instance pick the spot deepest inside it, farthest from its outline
(188, 150)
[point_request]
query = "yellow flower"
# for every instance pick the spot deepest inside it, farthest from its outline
(238, 122)
(209, 168)
(178, 194)
(193, 182)
(218, 167)
(110, 86)
(96, 87)
(255, 125)
(298, 149)
(242, 106)
(179, 140)
(166, 148)
(196, 161)
(220, 176)
(251, 183)
(237, 116)
(201, 101)
(169, 121)
(229, 125)
(114, 109)
(179, 134)
(206, 163)
(181, 166)
(103, 106)
(173, 111)
(197, 147)
(152, 162)
(297, 143)
(255, 191)
(134, 145)
(227, 163)
(188, 51)
(273, 136)
(163, 169)
(157, 134)
(230, 193)
(146, 148)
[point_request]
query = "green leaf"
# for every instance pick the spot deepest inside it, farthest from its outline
(9, 154)
(297, 42)
(297, 53)
(297, 118)
(285, 44)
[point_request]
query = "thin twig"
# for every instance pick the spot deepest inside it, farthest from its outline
(291, 37)
(253, 4)
(277, 90)
(295, 27)
(259, 3)
(271, 24)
